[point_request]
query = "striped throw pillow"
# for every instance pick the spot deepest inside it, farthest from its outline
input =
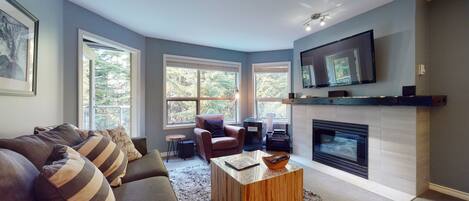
(119, 136)
(106, 155)
(69, 176)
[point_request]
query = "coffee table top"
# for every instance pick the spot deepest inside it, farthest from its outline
(253, 174)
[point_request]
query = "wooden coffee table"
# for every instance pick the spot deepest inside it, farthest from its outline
(257, 183)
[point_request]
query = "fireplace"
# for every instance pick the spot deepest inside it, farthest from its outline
(341, 145)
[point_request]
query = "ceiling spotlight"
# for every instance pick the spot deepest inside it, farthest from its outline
(307, 27)
(322, 22)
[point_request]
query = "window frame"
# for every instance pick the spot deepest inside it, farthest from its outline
(137, 105)
(198, 98)
(254, 89)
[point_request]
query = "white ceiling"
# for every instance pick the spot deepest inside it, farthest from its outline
(244, 25)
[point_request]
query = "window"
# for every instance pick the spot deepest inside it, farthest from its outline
(199, 86)
(107, 85)
(271, 85)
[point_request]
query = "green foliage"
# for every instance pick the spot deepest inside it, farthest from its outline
(271, 85)
(182, 83)
(217, 84)
(112, 88)
(112, 78)
(181, 112)
(225, 107)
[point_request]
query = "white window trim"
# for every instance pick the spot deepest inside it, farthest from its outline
(167, 57)
(271, 64)
(137, 110)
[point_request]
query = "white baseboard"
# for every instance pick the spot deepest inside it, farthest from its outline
(366, 184)
(449, 191)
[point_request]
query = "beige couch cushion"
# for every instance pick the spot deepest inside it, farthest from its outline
(121, 138)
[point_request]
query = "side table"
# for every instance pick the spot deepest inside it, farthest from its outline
(172, 141)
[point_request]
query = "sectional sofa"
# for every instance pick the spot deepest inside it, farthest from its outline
(20, 159)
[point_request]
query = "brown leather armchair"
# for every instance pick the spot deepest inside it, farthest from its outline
(209, 147)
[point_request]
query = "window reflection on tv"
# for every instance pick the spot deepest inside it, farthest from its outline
(345, 62)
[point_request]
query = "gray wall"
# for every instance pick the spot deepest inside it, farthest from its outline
(19, 115)
(422, 45)
(263, 57)
(152, 57)
(449, 66)
(76, 18)
(394, 33)
(155, 49)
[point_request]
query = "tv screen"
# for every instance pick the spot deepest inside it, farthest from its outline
(344, 62)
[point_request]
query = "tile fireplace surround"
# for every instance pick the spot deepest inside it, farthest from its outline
(398, 145)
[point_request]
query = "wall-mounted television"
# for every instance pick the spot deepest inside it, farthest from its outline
(348, 61)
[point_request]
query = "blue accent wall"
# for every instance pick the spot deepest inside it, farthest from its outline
(75, 18)
(394, 49)
(152, 50)
(156, 48)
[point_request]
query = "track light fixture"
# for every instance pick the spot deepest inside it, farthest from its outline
(316, 16)
(321, 17)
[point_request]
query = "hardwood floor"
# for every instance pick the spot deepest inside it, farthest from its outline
(329, 188)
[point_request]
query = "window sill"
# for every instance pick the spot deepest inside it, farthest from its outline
(179, 126)
(185, 126)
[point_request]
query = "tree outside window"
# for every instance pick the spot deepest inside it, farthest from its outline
(271, 86)
(191, 91)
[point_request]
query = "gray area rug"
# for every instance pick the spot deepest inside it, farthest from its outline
(193, 184)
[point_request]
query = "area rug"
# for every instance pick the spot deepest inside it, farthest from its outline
(193, 184)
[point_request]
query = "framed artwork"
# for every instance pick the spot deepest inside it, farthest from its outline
(18, 49)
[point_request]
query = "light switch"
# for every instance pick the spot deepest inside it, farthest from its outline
(421, 69)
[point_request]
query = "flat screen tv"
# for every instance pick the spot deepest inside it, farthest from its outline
(348, 61)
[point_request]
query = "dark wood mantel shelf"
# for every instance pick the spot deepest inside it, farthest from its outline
(421, 101)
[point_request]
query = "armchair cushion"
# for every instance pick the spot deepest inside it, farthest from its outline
(215, 127)
(221, 143)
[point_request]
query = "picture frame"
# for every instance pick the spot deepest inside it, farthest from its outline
(19, 31)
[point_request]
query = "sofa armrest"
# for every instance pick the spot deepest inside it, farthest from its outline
(236, 132)
(140, 144)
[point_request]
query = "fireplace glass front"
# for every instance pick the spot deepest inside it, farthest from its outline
(341, 145)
